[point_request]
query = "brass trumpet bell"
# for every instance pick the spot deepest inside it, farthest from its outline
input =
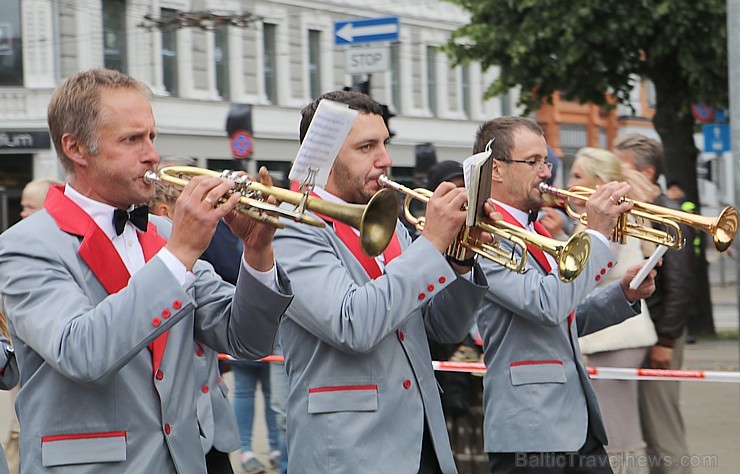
(376, 220)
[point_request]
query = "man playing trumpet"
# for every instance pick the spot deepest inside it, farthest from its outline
(541, 414)
(362, 394)
(104, 306)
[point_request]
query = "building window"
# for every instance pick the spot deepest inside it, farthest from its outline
(270, 58)
(505, 103)
(650, 97)
(432, 79)
(466, 90)
(396, 76)
(114, 34)
(11, 57)
(221, 58)
(314, 62)
(169, 54)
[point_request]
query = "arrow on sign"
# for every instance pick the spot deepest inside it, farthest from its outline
(349, 31)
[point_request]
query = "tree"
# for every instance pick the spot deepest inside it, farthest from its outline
(594, 51)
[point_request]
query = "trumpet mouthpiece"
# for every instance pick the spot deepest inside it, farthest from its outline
(546, 188)
(151, 177)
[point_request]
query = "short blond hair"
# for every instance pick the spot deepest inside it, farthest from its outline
(599, 164)
(37, 189)
(75, 108)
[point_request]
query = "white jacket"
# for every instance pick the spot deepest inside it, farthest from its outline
(634, 332)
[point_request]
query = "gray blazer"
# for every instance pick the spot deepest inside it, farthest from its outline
(216, 415)
(90, 398)
(361, 382)
(537, 393)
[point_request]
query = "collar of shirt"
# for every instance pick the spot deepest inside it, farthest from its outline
(127, 244)
(518, 214)
(100, 212)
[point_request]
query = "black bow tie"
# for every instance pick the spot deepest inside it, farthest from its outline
(138, 217)
(532, 216)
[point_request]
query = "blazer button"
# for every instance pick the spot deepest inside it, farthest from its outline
(159, 375)
(204, 389)
(422, 296)
(603, 271)
(166, 313)
(407, 384)
(442, 279)
(167, 428)
(177, 304)
(430, 288)
(598, 277)
(610, 264)
(401, 335)
(199, 352)
(156, 322)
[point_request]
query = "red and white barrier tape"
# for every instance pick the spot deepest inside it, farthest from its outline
(604, 373)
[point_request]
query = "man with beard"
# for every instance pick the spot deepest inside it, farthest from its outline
(541, 414)
(362, 394)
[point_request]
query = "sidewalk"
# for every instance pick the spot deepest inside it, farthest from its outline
(711, 410)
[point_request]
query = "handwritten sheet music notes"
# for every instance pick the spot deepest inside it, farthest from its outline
(477, 174)
(330, 125)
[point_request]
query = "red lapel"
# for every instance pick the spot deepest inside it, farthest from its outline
(538, 254)
(99, 253)
(350, 238)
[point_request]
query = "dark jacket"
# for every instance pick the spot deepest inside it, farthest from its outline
(675, 286)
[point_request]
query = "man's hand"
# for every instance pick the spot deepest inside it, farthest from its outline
(553, 221)
(604, 206)
(646, 288)
(257, 237)
(661, 357)
(197, 215)
(445, 215)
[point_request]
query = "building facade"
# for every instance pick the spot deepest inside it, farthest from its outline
(275, 55)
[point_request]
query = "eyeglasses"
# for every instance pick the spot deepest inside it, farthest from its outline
(540, 165)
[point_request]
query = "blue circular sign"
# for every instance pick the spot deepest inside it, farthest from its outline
(241, 144)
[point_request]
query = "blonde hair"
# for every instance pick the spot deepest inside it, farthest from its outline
(167, 194)
(37, 189)
(75, 108)
(603, 166)
(599, 165)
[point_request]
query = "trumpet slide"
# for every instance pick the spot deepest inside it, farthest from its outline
(722, 228)
(571, 256)
(376, 220)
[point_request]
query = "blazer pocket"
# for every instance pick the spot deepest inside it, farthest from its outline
(83, 448)
(339, 398)
(537, 371)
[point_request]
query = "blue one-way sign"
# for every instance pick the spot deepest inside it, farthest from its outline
(366, 31)
(716, 137)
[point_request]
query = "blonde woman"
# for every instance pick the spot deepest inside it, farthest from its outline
(625, 344)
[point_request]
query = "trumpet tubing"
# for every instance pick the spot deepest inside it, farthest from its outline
(571, 256)
(722, 228)
(376, 220)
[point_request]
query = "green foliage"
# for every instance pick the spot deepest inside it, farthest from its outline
(586, 48)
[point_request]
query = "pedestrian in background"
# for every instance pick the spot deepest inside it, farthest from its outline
(660, 401)
(624, 344)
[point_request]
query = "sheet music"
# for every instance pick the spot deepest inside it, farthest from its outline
(330, 125)
(477, 174)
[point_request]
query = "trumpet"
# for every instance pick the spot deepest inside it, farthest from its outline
(722, 228)
(376, 220)
(571, 256)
